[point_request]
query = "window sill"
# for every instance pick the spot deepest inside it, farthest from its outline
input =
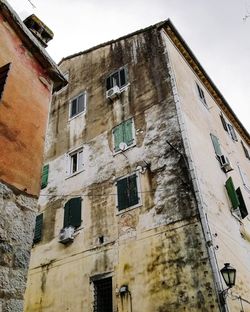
(74, 174)
(81, 113)
(119, 212)
(120, 151)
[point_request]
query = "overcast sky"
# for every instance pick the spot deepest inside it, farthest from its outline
(214, 30)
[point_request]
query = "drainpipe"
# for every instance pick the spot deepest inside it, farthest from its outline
(195, 181)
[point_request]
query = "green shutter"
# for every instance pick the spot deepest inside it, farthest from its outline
(128, 132)
(66, 219)
(122, 194)
(45, 175)
(118, 136)
(75, 214)
(232, 193)
(38, 228)
(216, 145)
(242, 207)
(133, 192)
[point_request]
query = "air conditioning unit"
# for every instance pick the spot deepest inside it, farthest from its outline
(66, 235)
(113, 93)
(225, 164)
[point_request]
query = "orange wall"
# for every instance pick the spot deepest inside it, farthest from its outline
(23, 114)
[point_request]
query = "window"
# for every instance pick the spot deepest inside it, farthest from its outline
(124, 133)
(38, 229)
(3, 76)
(76, 161)
(127, 192)
(229, 128)
(118, 78)
(78, 105)
(201, 95)
(45, 175)
(236, 198)
(216, 144)
(103, 301)
(245, 151)
(73, 212)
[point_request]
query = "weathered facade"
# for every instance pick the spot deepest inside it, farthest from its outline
(27, 77)
(132, 183)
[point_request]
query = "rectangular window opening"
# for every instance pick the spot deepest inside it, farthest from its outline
(38, 229)
(127, 192)
(76, 161)
(78, 105)
(201, 95)
(124, 133)
(103, 295)
(118, 78)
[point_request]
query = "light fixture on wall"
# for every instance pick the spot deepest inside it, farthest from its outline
(229, 275)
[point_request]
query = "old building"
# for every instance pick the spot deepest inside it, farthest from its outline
(27, 78)
(145, 190)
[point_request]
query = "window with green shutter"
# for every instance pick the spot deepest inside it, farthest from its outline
(45, 175)
(123, 133)
(38, 229)
(232, 193)
(127, 192)
(216, 144)
(73, 212)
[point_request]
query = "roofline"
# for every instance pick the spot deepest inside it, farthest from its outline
(33, 45)
(187, 53)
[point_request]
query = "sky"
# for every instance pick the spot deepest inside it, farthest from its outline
(216, 31)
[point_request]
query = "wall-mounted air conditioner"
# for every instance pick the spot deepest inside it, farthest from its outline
(113, 93)
(225, 164)
(66, 235)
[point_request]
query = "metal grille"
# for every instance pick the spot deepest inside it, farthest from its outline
(103, 295)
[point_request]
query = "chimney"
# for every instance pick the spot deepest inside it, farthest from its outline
(39, 29)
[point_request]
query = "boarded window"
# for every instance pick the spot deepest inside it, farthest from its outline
(103, 301)
(127, 192)
(118, 78)
(216, 144)
(78, 105)
(45, 176)
(123, 133)
(3, 77)
(73, 212)
(38, 229)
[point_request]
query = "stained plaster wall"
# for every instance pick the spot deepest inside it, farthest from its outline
(230, 234)
(158, 248)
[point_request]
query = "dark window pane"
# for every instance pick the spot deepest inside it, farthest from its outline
(122, 193)
(242, 206)
(223, 122)
(133, 193)
(245, 150)
(38, 228)
(81, 104)
(108, 83)
(75, 211)
(122, 77)
(115, 79)
(103, 301)
(73, 108)
(66, 220)
(74, 163)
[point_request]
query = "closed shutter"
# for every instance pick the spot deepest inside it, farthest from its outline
(128, 132)
(122, 194)
(223, 121)
(118, 136)
(66, 219)
(242, 206)
(232, 193)
(38, 229)
(123, 79)
(45, 175)
(216, 145)
(133, 192)
(75, 211)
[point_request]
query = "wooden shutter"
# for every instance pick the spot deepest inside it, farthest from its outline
(223, 121)
(133, 192)
(3, 76)
(45, 175)
(128, 132)
(38, 229)
(216, 144)
(122, 193)
(242, 206)
(232, 193)
(118, 136)
(123, 79)
(75, 213)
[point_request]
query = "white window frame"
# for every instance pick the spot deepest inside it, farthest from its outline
(80, 166)
(126, 77)
(138, 184)
(84, 93)
(133, 133)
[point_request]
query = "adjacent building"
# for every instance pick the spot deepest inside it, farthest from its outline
(27, 78)
(145, 191)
